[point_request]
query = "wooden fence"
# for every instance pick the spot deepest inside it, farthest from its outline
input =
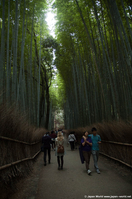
(16, 162)
(121, 152)
(13, 151)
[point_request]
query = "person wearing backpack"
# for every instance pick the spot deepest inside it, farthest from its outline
(96, 140)
(59, 142)
(71, 140)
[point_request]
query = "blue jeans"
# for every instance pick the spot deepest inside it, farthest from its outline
(95, 155)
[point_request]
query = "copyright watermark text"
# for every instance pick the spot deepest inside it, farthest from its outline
(110, 196)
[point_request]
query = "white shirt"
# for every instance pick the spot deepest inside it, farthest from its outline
(71, 138)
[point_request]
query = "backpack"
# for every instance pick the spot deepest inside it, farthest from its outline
(60, 149)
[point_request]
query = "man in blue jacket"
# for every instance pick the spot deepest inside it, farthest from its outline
(96, 140)
(46, 140)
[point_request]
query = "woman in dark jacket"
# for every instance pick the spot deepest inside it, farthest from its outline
(86, 148)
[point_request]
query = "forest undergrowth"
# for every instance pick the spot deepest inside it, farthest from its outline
(116, 131)
(16, 143)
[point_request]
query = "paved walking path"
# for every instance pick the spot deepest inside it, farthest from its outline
(73, 182)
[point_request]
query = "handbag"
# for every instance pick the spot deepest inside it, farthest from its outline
(60, 149)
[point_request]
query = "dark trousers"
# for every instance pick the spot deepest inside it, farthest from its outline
(72, 145)
(86, 155)
(58, 160)
(45, 154)
(53, 144)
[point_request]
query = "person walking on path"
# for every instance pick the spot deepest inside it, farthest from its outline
(53, 136)
(59, 142)
(96, 140)
(46, 140)
(72, 139)
(86, 148)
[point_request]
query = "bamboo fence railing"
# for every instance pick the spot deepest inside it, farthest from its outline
(13, 140)
(110, 149)
(121, 152)
(20, 147)
(16, 162)
(19, 161)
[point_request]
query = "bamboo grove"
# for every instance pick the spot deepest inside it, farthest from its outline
(94, 59)
(26, 57)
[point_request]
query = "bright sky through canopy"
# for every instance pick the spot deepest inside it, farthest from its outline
(50, 19)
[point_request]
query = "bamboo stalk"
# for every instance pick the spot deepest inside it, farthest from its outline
(19, 161)
(8, 57)
(2, 54)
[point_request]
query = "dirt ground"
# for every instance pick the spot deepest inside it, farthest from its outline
(73, 182)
